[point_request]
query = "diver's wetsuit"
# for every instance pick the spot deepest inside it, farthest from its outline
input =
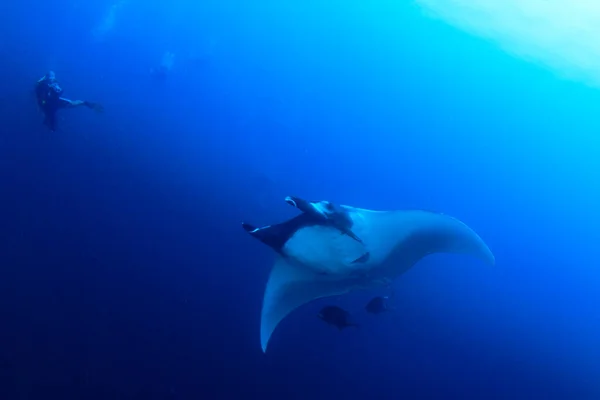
(48, 93)
(49, 100)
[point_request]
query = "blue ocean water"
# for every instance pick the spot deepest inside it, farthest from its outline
(125, 272)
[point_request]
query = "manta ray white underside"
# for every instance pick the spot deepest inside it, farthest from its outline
(317, 260)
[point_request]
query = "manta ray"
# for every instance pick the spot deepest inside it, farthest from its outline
(317, 258)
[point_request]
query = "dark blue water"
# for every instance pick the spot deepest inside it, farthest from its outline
(125, 273)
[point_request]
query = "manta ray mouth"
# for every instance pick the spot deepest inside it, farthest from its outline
(305, 206)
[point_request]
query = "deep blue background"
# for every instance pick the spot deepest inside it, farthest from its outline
(124, 271)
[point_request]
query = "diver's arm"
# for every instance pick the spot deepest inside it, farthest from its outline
(78, 103)
(66, 103)
(88, 104)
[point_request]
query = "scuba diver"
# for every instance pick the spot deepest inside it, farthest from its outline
(378, 305)
(48, 94)
(337, 317)
(161, 72)
(381, 304)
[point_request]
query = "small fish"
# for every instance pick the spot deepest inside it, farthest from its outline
(336, 316)
(378, 305)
